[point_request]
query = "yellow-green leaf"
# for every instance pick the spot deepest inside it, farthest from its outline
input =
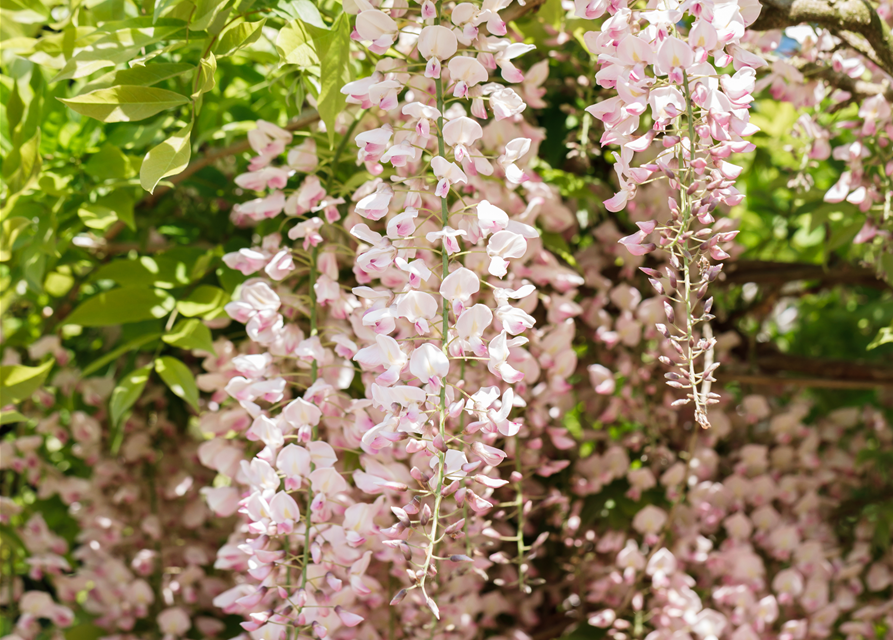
(128, 392)
(190, 334)
(206, 72)
(22, 164)
(295, 46)
(167, 159)
(97, 216)
(120, 306)
(333, 49)
(151, 73)
(8, 417)
(117, 47)
(237, 36)
(132, 345)
(9, 231)
(204, 301)
(178, 378)
(125, 103)
(18, 382)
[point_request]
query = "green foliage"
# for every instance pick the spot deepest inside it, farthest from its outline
(178, 378)
(190, 334)
(18, 382)
(205, 301)
(125, 103)
(120, 306)
(127, 392)
(168, 158)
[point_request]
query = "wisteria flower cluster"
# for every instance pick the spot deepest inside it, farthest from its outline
(699, 117)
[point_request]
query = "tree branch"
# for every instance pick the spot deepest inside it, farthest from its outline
(859, 90)
(516, 10)
(855, 16)
(781, 273)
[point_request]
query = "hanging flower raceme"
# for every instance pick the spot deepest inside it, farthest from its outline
(295, 502)
(700, 114)
(438, 329)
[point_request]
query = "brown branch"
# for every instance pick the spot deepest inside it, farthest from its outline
(776, 382)
(781, 273)
(859, 90)
(855, 16)
(824, 369)
(516, 10)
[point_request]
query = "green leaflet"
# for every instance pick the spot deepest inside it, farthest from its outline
(18, 382)
(125, 103)
(179, 379)
(128, 392)
(204, 301)
(190, 334)
(236, 37)
(120, 306)
(166, 159)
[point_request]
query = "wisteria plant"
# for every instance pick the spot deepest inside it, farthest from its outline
(444, 320)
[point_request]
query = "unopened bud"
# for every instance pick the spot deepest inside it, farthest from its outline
(657, 286)
(451, 488)
(398, 598)
(425, 515)
(460, 558)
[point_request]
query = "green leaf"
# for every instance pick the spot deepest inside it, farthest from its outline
(206, 71)
(178, 378)
(333, 49)
(204, 301)
(190, 334)
(295, 46)
(160, 7)
(8, 417)
(302, 10)
(96, 216)
(128, 392)
(114, 354)
(121, 202)
(18, 382)
(9, 231)
(109, 163)
(205, 13)
(117, 205)
(22, 164)
(152, 73)
(125, 103)
(884, 336)
(237, 36)
(118, 46)
(169, 270)
(167, 159)
(120, 306)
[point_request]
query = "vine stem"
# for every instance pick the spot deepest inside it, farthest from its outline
(445, 324)
(314, 332)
